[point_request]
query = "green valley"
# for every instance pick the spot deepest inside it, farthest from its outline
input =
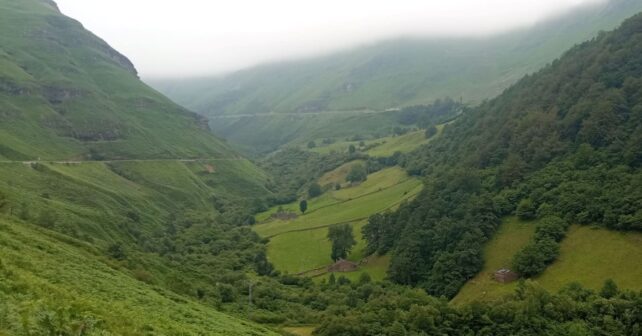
(369, 203)
(303, 100)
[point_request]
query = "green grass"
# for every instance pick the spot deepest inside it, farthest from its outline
(379, 147)
(46, 273)
(338, 175)
(326, 210)
(300, 331)
(301, 245)
(403, 143)
(62, 100)
(512, 235)
(588, 255)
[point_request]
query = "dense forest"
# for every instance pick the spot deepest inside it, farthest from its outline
(563, 142)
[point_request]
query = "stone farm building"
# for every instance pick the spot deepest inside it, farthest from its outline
(343, 265)
(505, 275)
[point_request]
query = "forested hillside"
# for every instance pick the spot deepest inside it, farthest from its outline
(563, 145)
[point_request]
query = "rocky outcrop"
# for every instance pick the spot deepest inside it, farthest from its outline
(58, 95)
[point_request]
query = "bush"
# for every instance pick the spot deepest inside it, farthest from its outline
(526, 210)
(358, 173)
(314, 190)
(116, 251)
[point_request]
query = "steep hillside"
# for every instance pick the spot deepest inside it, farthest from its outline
(65, 94)
(53, 285)
(117, 207)
(563, 145)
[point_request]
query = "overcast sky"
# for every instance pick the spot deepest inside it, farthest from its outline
(176, 38)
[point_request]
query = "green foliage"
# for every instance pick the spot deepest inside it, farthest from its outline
(342, 239)
(358, 173)
(303, 206)
(314, 190)
(525, 209)
(116, 251)
(431, 131)
(529, 311)
(352, 149)
(312, 144)
(609, 290)
(537, 142)
(291, 169)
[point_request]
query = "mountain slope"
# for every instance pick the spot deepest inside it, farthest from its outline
(398, 72)
(117, 207)
(65, 94)
(563, 145)
(53, 285)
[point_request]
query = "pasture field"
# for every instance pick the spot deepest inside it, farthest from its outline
(380, 147)
(513, 234)
(300, 244)
(588, 255)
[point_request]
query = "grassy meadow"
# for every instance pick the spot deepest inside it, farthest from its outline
(300, 244)
(588, 255)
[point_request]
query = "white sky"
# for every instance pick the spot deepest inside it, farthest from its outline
(167, 38)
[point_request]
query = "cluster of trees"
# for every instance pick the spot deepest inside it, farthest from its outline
(529, 311)
(564, 142)
(543, 249)
(424, 116)
(342, 240)
(293, 169)
(436, 240)
(357, 173)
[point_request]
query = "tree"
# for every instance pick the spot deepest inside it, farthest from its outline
(312, 144)
(358, 173)
(303, 206)
(431, 131)
(342, 240)
(352, 149)
(609, 290)
(116, 251)
(526, 209)
(314, 190)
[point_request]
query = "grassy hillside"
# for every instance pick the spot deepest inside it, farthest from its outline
(588, 255)
(52, 284)
(107, 189)
(300, 244)
(65, 94)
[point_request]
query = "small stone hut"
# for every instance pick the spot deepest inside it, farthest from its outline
(343, 265)
(505, 275)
